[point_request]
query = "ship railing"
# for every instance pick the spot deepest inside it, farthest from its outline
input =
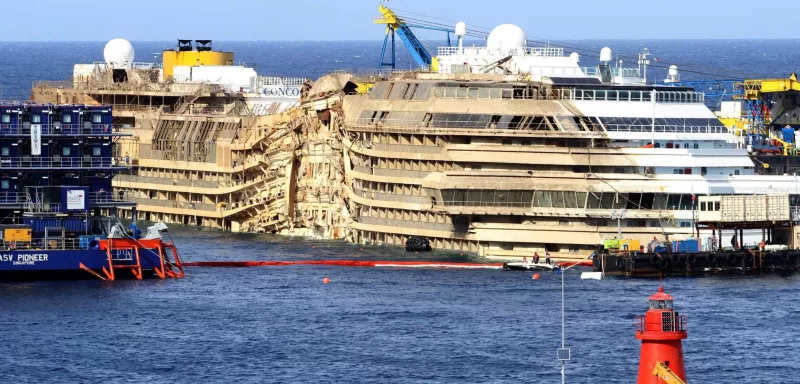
(54, 84)
(137, 108)
(106, 197)
(40, 207)
(55, 162)
(649, 128)
(475, 51)
(175, 204)
(57, 128)
(69, 243)
(369, 75)
(134, 65)
(271, 81)
(400, 147)
(670, 322)
(476, 93)
(672, 97)
(13, 197)
(383, 196)
(477, 124)
(406, 224)
(207, 109)
(167, 181)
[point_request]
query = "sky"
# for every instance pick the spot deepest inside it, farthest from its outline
(314, 20)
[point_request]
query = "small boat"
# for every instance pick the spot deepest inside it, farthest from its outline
(527, 266)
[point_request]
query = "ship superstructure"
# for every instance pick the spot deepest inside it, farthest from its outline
(195, 124)
(508, 150)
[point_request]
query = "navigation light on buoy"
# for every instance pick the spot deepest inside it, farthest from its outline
(661, 330)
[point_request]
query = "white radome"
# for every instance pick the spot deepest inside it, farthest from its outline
(118, 54)
(507, 36)
(574, 56)
(606, 55)
(461, 28)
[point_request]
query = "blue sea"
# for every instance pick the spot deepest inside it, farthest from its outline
(376, 325)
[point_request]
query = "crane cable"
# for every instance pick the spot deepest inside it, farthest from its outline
(483, 32)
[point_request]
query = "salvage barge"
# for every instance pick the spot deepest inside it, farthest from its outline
(59, 215)
(777, 250)
(696, 263)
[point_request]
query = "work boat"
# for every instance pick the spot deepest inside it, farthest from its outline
(509, 149)
(59, 212)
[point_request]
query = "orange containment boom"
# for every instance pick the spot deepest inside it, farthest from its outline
(344, 263)
(359, 263)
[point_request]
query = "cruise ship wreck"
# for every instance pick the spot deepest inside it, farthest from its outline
(503, 150)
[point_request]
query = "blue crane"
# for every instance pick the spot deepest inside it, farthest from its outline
(396, 25)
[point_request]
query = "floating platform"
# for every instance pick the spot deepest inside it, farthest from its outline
(522, 266)
(110, 259)
(696, 263)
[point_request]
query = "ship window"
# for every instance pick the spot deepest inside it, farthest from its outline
(66, 119)
(736, 172)
(657, 145)
(97, 118)
(660, 201)
(5, 118)
(66, 151)
(5, 184)
(633, 201)
(96, 151)
(673, 201)
(5, 151)
(36, 119)
(696, 146)
(716, 205)
(686, 145)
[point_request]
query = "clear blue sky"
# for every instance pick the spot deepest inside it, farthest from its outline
(163, 20)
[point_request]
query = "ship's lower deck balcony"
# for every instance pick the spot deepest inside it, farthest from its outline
(36, 162)
(35, 204)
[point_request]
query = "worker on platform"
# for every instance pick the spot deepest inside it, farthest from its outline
(713, 243)
(536, 257)
(127, 159)
(547, 257)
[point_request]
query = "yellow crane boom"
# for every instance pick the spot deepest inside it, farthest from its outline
(666, 375)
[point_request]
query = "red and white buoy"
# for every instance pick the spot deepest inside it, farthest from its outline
(661, 330)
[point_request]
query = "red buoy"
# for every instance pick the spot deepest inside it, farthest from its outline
(661, 330)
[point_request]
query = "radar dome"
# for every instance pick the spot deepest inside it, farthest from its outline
(507, 36)
(461, 28)
(118, 53)
(606, 55)
(575, 57)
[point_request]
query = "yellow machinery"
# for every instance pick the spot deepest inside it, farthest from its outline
(186, 55)
(21, 234)
(754, 88)
(629, 245)
(666, 375)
